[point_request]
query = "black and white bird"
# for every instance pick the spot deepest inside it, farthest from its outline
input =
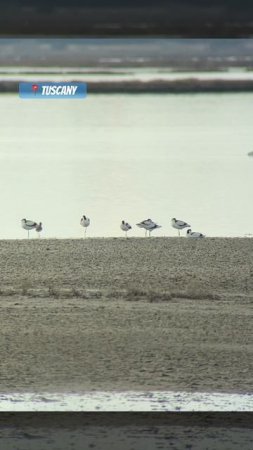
(153, 227)
(125, 227)
(85, 222)
(179, 224)
(194, 234)
(38, 228)
(148, 225)
(28, 225)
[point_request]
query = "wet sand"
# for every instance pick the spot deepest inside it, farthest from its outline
(126, 314)
(145, 431)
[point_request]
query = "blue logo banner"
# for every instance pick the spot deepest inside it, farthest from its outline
(52, 90)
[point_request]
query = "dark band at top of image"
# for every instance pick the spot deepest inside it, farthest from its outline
(175, 18)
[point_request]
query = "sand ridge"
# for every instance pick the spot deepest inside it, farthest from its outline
(176, 266)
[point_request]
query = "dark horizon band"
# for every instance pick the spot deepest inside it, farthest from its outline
(127, 18)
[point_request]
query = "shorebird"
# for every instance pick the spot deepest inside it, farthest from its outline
(85, 222)
(179, 224)
(153, 227)
(148, 225)
(28, 225)
(145, 224)
(125, 227)
(194, 234)
(38, 228)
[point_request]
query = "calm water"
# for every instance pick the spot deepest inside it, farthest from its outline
(127, 401)
(132, 436)
(116, 74)
(131, 157)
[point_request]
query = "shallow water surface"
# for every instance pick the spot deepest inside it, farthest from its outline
(127, 157)
(127, 401)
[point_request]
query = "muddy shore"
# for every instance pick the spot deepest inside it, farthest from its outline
(126, 314)
(136, 431)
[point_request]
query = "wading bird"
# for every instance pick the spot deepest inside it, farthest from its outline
(148, 225)
(28, 225)
(194, 234)
(179, 224)
(38, 228)
(153, 227)
(125, 227)
(85, 222)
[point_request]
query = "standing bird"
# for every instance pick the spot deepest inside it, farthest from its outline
(85, 222)
(148, 225)
(125, 227)
(194, 234)
(145, 224)
(38, 228)
(179, 225)
(28, 225)
(152, 227)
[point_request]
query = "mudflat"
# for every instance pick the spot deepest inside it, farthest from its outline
(137, 431)
(126, 314)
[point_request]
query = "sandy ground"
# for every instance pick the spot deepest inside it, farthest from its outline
(158, 313)
(140, 431)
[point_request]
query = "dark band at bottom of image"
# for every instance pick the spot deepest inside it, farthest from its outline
(125, 431)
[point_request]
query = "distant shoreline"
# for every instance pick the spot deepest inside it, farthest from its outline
(188, 85)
